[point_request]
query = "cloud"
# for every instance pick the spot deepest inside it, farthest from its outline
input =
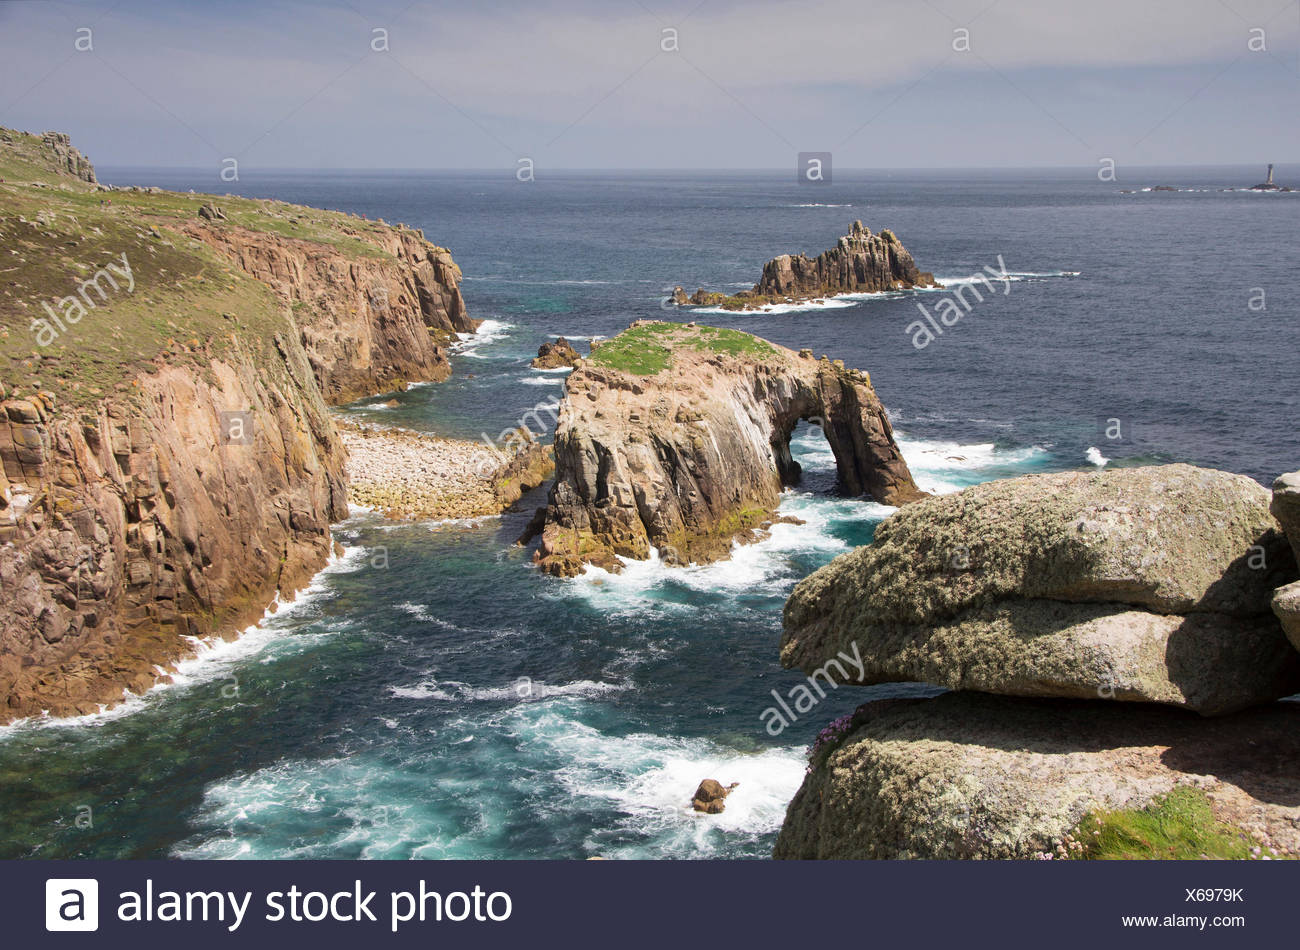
(473, 83)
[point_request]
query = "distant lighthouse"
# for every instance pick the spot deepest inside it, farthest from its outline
(1266, 185)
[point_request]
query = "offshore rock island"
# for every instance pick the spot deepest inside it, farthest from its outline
(860, 263)
(677, 437)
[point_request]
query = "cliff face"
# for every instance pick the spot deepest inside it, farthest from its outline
(141, 523)
(677, 437)
(369, 324)
(169, 463)
(860, 262)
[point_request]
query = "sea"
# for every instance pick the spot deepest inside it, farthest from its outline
(432, 695)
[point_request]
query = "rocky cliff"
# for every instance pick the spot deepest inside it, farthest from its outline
(370, 322)
(860, 262)
(140, 522)
(169, 463)
(676, 437)
(1089, 601)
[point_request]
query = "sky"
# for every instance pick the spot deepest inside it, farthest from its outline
(637, 84)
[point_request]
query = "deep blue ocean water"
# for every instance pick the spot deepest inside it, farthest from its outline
(433, 696)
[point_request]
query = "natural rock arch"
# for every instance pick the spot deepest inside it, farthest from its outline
(693, 456)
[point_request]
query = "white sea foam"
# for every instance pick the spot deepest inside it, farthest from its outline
(1095, 457)
(943, 467)
(649, 781)
(378, 523)
(773, 565)
(542, 381)
(827, 303)
(416, 807)
(489, 331)
(837, 301)
(523, 691)
(997, 277)
(765, 566)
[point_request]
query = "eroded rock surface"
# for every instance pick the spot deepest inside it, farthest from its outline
(710, 797)
(142, 523)
(676, 437)
(1286, 507)
(969, 775)
(1150, 584)
(368, 324)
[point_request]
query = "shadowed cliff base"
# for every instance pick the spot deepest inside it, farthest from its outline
(677, 437)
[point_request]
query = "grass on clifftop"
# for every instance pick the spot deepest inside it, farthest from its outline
(648, 349)
(1179, 826)
(186, 302)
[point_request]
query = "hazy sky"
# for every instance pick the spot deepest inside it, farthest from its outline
(571, 84)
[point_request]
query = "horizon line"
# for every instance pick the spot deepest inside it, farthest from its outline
(683, 169)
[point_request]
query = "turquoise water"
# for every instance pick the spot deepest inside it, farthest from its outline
(432, 695)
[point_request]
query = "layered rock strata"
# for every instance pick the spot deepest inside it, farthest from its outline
(1065, 593)
(1148, 584)
(677, 438)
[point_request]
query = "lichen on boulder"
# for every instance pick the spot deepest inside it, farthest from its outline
(973, 776)
(1149, 584)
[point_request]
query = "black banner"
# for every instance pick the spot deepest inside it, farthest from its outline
(646, 904)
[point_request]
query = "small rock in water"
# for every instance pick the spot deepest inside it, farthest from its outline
(710, 796)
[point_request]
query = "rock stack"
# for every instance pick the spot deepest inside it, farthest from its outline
(556, 355)
(859, 263)
(68, 158)
(1083, 619)
(711, 797)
